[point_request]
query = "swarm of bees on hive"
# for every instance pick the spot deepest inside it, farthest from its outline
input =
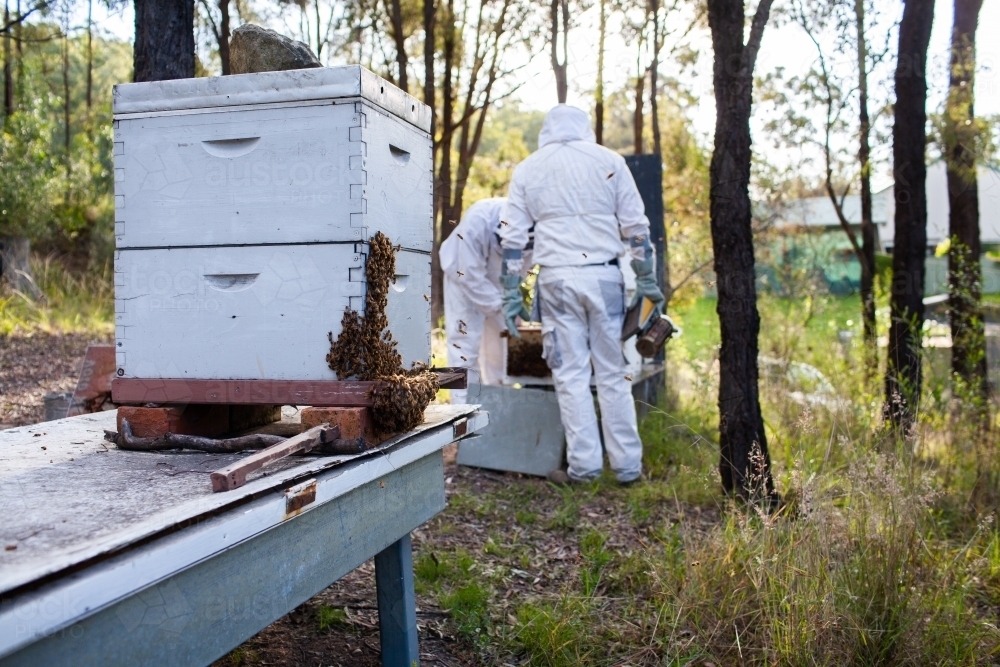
(365, 350)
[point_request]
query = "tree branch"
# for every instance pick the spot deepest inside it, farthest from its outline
(20, 19)
(749, 56)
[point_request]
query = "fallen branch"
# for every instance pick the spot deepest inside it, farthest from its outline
(125, 440)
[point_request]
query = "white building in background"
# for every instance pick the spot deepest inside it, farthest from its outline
(818, 212)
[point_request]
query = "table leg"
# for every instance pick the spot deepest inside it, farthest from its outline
(397, 607)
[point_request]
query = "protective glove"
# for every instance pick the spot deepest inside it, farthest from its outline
(645, 283)
(513, 303)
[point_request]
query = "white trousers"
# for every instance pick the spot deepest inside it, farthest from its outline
(473, 340)
(583, 309)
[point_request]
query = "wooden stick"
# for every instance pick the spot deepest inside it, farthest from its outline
(235, 475)
(125, 440)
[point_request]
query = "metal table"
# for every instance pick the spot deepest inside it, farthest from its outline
(127, 558)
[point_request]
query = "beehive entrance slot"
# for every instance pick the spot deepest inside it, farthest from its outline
(230, 147)
(399, 155)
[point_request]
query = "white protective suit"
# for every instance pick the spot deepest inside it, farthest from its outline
(583, 203)
(470, 261)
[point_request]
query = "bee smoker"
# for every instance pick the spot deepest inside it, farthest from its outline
(655, 335)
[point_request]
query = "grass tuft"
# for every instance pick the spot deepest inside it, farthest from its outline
(73, 301)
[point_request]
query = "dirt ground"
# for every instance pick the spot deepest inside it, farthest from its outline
(34, 365)
(517, 537)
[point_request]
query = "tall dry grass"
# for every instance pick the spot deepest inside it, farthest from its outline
(73, 300)
(886, 551)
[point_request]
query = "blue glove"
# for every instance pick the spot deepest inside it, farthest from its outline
(645, 283)
(513, 303)
(510, 281)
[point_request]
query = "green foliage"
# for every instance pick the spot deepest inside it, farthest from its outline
(553, 635)
(468, 606)
(449, 569)
(27, 189)
(57, 188)
(328, 617)
(567, 516)
(596, 558)
(509, 136)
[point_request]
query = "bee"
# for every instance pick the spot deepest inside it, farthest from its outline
(463, 332)
(456, 346)
(459, 236)
(628, 377)
(610, 175)
(504, 223)
(462, 358)
(453, 222)
(427, 298)
(462, 323)
(460, 273)
(640, 238)
(585, 255)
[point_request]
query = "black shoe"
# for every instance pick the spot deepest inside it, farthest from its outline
(559, 477)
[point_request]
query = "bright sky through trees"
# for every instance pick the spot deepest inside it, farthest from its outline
(784, 46)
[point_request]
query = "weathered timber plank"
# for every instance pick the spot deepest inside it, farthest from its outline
(235, 474)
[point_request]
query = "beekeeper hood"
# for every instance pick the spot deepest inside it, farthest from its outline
(565, 123)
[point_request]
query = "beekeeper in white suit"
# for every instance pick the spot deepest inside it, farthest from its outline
(586, 212)
(470, 262)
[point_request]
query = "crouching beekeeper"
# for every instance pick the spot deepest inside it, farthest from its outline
(586, 211)
(471, 262)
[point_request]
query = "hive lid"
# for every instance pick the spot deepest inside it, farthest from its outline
(320, 83)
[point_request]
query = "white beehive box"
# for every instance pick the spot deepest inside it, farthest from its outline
(242, 209)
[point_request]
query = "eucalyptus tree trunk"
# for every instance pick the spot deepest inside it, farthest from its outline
(8, 69)
(968, 335)
(90, 55)
(745, 465)
(654, 79)
(225, 33)
(442, 189)
(638, 114)
(903, 372)
(400, 40)
(868, 232)
(164, 40)
(599, 93)
(559, 68)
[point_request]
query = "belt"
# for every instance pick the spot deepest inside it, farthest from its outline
(610, 262)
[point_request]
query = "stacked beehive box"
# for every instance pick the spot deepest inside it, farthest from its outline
(243, 206)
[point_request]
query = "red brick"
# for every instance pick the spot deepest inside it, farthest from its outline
(205, 420)
(354, 422)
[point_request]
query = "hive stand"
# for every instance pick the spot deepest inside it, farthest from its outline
(111, 559)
